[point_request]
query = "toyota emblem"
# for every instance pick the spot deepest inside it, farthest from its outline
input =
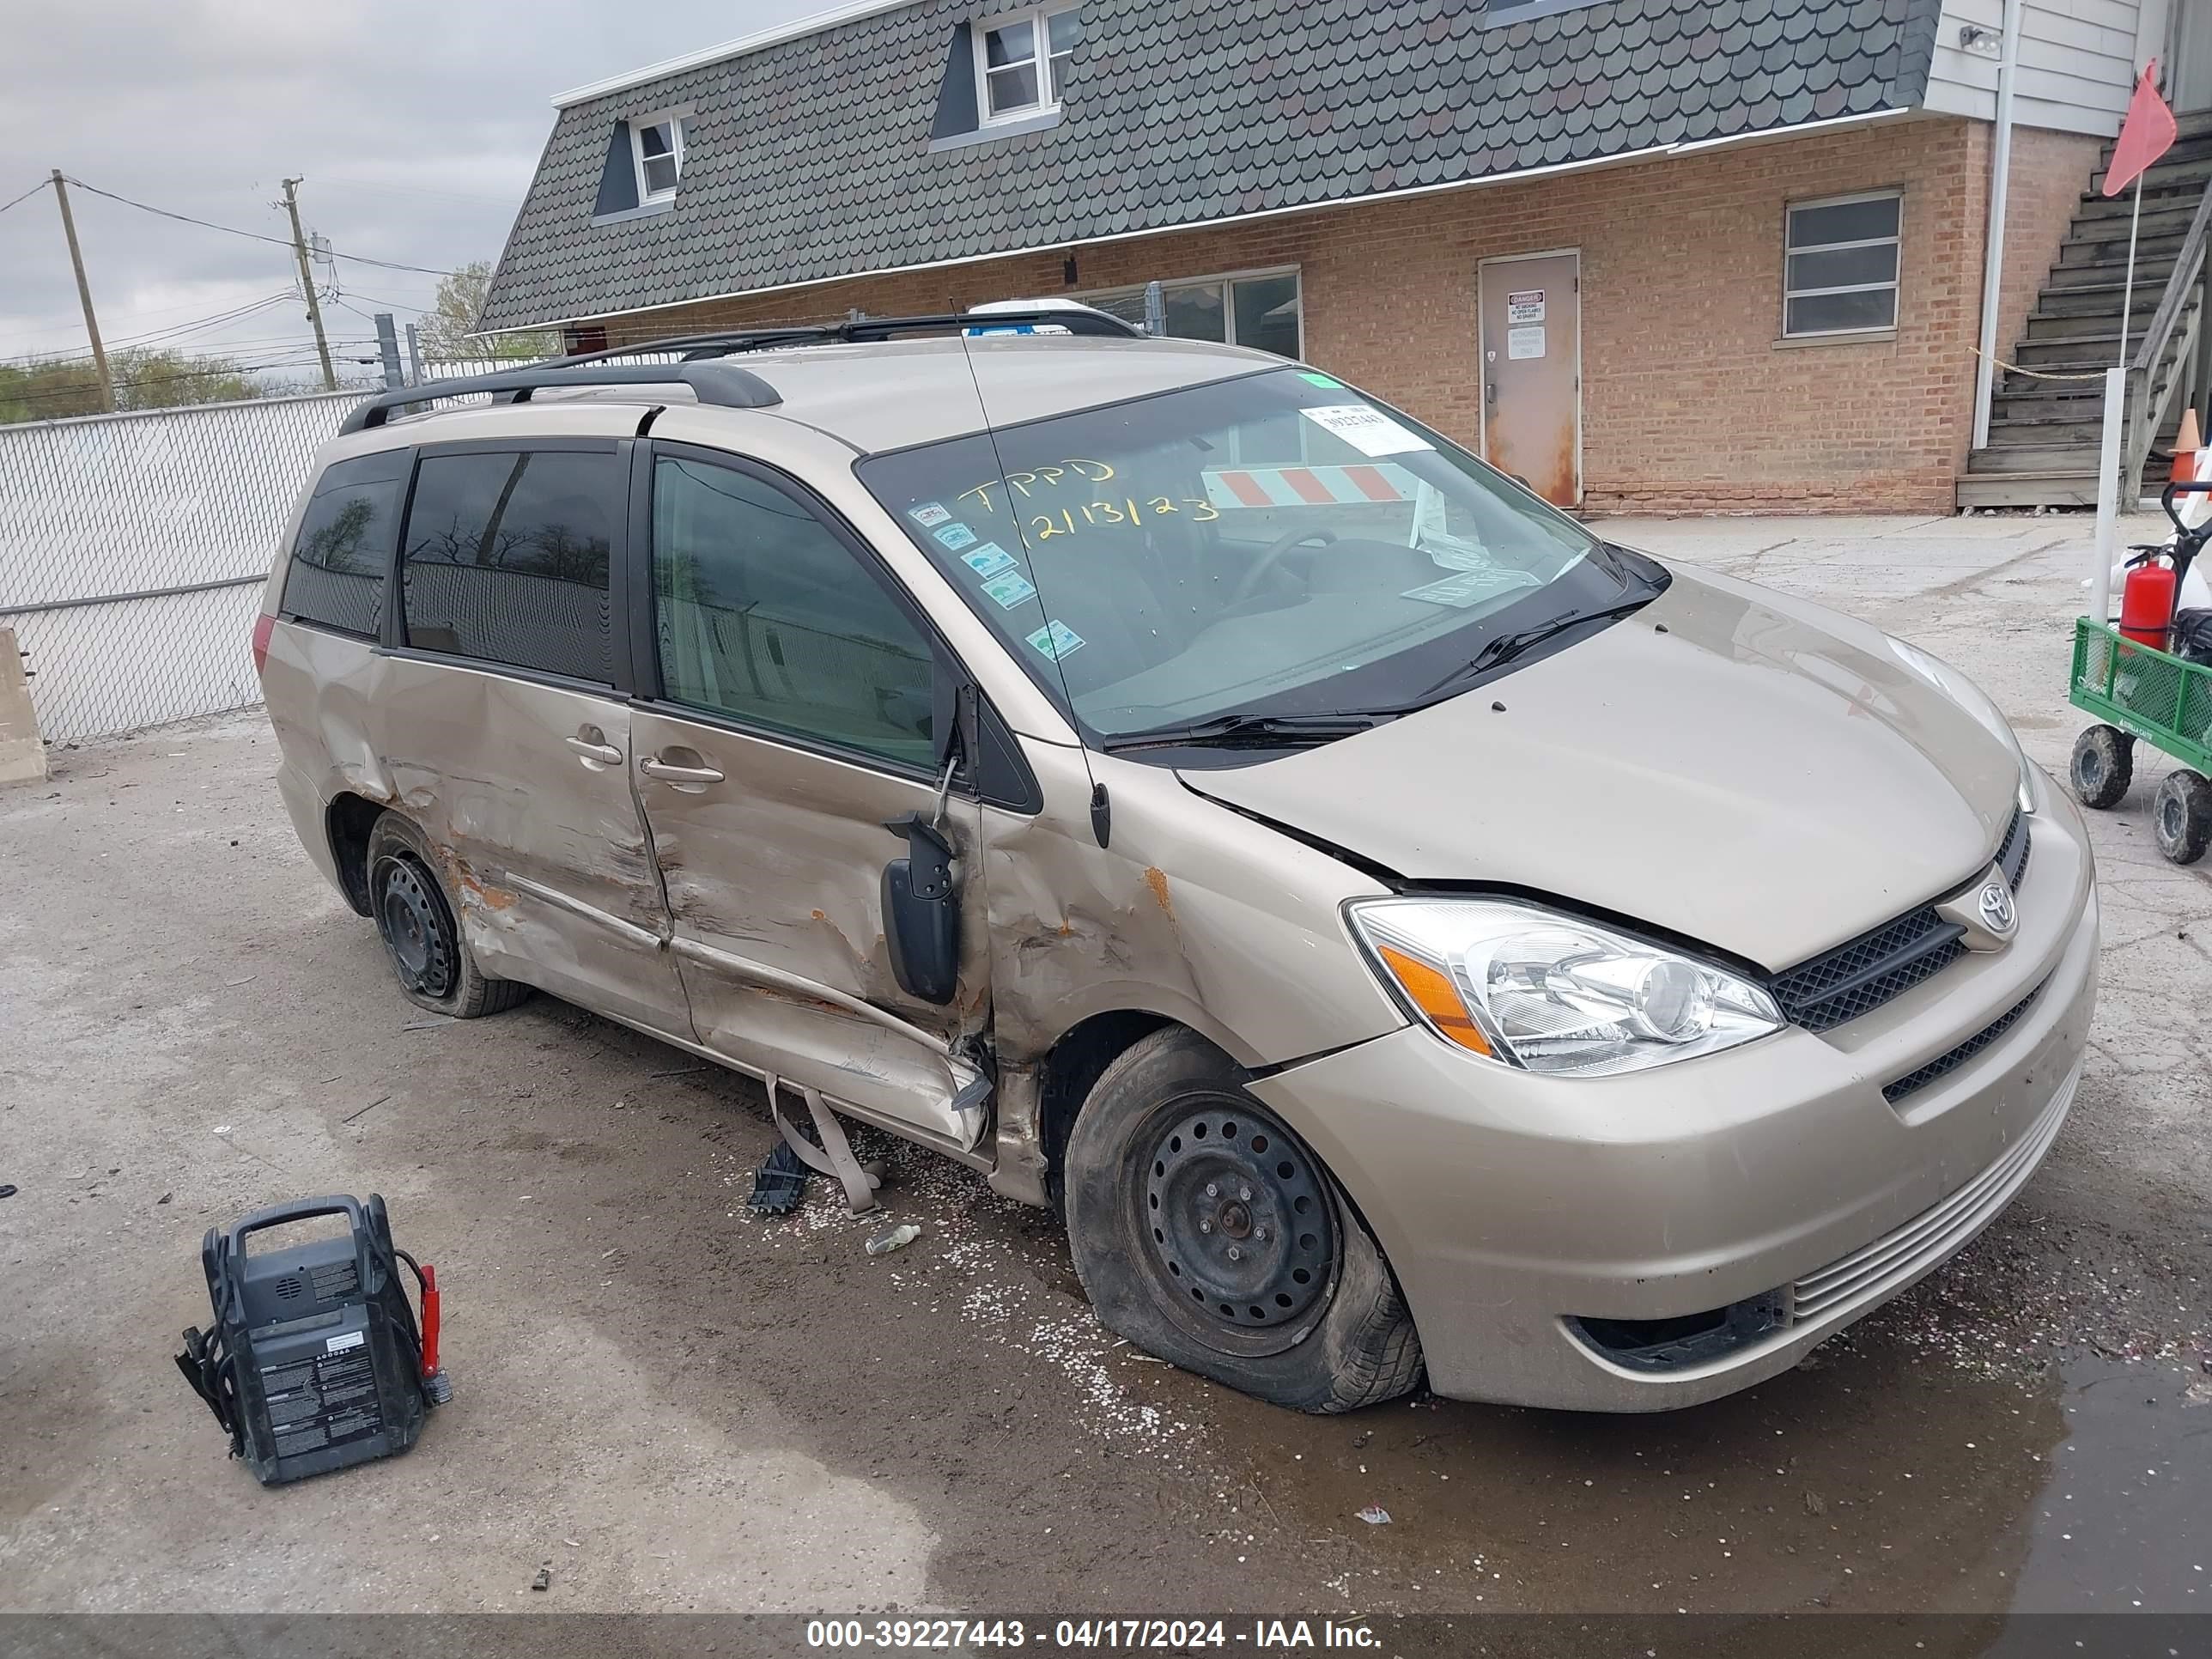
(1996, 906)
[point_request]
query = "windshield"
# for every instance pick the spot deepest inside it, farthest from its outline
(1274, 546)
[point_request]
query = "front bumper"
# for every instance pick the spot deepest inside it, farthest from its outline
(1512, 1205)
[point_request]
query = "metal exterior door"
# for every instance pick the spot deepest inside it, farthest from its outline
(1531, 312)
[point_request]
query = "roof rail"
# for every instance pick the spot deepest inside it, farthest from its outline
(725, 384)
(1078, 320)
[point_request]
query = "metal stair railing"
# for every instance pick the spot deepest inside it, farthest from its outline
(2175, 323)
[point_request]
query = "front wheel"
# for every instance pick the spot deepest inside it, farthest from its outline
(2181, 816)
(436, 968)
(2102, 767)
(1206, 1232)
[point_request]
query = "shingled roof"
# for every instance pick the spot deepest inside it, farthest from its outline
(811, 157)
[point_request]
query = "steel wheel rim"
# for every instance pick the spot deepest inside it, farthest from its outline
(2172, 817)
(416, 930)
(1236, 1224)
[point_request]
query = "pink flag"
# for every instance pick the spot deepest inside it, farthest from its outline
(2147, 134)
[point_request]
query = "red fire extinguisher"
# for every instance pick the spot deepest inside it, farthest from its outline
(2147, 600)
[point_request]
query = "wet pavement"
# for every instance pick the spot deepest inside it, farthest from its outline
(675, 1405)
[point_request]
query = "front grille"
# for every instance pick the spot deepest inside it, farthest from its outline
(1868, 1273)
(1944, 1064)
(2012, 856)
(1860, 974)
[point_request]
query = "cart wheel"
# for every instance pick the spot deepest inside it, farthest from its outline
(2181, 816)
(2103, 765)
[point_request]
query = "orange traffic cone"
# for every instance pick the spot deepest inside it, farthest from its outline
(2186, 443)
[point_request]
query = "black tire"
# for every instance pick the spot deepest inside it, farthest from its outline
(415, 915)
(2103, 765)
(1307, 1315)
(2181, 816)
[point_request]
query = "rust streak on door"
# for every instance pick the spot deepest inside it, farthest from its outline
(1531, 351)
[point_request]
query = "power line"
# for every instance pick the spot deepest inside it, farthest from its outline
(26, 196)
(251, 235)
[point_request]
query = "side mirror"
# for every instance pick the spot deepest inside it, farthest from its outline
(921, 912)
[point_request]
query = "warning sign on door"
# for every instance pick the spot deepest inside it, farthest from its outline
(1525, 306)
(1525, 341)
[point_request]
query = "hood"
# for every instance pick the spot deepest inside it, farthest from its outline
(1764, 776)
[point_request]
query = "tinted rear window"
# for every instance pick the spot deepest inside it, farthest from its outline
(507, 558)
(343, 549)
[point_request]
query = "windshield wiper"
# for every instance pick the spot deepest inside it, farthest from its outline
(1498, 652)
(1254, 731)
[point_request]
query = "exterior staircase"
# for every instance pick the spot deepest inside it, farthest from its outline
(2045, 434)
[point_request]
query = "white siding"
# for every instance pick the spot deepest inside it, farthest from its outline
(2078, 61)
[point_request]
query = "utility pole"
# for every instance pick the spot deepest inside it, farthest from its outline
(306, 283)
(84, 297)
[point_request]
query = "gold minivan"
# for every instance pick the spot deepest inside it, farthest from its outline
(1400, 931)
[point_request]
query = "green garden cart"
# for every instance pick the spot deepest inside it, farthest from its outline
(2140, 693)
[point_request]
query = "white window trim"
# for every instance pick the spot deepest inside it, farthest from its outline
(1895, 285)
(1047, 103)
(675, 118)
(1220, 280)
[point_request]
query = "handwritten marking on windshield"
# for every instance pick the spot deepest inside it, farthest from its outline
(1046, 525)
(1047, 477)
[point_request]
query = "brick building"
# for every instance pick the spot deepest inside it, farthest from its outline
(1648, 254)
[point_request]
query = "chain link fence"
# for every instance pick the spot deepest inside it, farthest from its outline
(132, 549)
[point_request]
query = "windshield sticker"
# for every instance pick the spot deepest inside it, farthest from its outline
(1311, 379)
(929, 515)
(1055, 640)
(1309, 486)
(1009, 590)
(988, 560)
(954, 536)
(1367, 430)
(1472, 586)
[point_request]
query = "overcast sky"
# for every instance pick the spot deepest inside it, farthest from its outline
(417, 124)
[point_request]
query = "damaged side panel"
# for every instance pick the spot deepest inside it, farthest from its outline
(1191, 911)
(773, 881)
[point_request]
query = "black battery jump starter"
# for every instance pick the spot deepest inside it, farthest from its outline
(314, 1360)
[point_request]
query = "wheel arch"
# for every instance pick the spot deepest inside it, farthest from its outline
(346, 821)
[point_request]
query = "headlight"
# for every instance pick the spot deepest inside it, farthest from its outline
(1975, 702)
(1551, 993)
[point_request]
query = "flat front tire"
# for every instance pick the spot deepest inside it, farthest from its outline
(429, 953)
(1206, 1232)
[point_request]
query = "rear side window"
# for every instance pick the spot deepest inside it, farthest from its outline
(343, 549)
(507, 554)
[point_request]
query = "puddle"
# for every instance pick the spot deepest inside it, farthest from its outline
(1870, 1481)
(2125, 1521)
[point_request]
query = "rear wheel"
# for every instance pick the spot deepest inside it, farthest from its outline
(2181, 816)
(436, 968)
(1204, 1231)
(2103, 765)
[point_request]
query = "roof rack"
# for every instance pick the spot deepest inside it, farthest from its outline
(1075, 319)
(722, 384)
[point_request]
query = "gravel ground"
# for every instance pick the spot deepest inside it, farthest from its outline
(674, 1405)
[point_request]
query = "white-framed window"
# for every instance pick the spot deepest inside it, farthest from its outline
(1840, 265)
(1021, 62)
(657, 143)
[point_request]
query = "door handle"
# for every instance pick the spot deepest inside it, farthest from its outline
(592, 749)
(668, 772)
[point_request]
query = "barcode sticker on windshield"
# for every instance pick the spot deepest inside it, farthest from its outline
(1367, 430)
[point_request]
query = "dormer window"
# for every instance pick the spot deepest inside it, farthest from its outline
(657, 145)
(1021, 62)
